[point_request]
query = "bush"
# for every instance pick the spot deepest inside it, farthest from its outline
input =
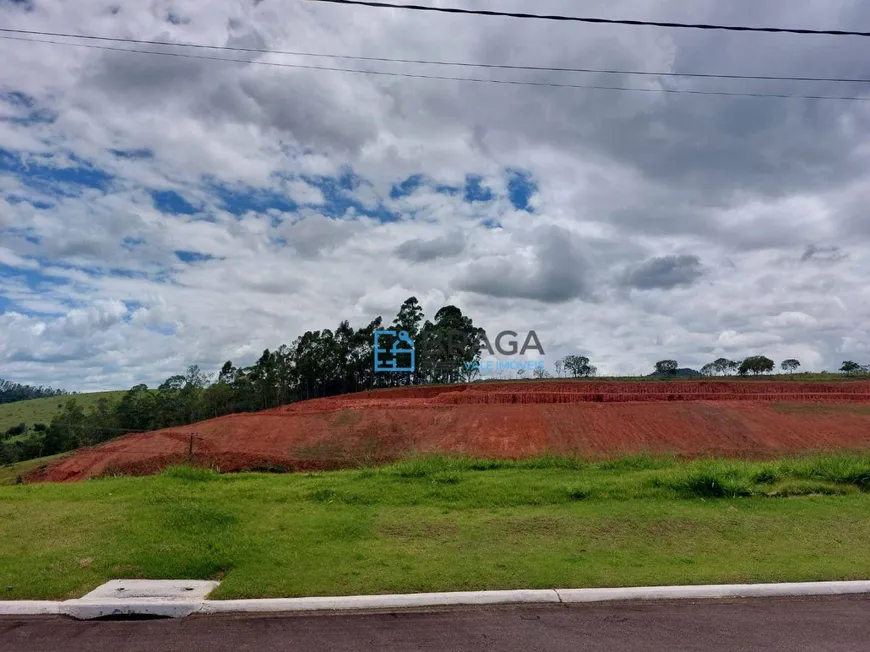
(709, 483)
(766, 476)
(14, 431)
(8, 454)
(839, 469)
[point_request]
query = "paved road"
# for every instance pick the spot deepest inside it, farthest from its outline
(817, 624)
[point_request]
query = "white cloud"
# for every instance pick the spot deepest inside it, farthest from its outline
(767, 195)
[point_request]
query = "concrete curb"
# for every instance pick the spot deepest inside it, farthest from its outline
(88, 608)
(368, 602)
(712, 591)
(29, 608)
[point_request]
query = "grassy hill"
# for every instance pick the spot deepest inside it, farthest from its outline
(41, 410)
(9, 473)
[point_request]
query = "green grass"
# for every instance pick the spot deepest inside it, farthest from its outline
(9, 474)
(41, 410)
(442, 524)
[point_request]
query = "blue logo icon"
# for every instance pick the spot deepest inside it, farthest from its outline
(398, 357)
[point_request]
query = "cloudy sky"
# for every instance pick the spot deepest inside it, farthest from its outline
(158, 211)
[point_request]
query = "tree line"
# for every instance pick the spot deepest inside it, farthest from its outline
(12, 392)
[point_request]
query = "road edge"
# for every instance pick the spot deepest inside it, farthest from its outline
(86, 609)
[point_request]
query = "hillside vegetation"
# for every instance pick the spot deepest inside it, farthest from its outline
(11, 392)
(42, 410)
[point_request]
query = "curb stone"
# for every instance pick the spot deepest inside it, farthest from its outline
(145, 599)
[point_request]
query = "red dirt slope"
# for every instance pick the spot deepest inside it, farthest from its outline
(589, 419)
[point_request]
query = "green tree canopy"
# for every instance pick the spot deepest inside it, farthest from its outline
(757, 364)
(669, 367)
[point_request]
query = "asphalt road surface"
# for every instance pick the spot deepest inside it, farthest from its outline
(817, 624)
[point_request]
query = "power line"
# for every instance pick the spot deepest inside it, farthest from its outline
(429, 62)
(445, 77)
(600, 21)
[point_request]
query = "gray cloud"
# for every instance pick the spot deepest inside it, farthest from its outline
(665, 273)
(558, 272)
(424, 251)
(819, 254)
(315, 235)
(619, 174)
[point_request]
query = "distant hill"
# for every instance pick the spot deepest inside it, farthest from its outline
(685, 372)
(41, 410)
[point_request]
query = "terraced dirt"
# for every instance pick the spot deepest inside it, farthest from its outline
(748, 419)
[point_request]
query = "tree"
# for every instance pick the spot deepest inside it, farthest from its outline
(136, 410)
(100, 423)
(66, 431)
(791, 365)
(850, 367)
(540, 373)
(558, 366)
(725, 366)
(668, 367)
(448, 349)
(757, 364)
(578, 366)
(408, 320)
(708, 369)
(410, 317)
(227, 373)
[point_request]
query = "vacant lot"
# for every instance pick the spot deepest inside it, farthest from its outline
(589, 419)
(439, 524)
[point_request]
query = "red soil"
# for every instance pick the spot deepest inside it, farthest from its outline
(589, 419)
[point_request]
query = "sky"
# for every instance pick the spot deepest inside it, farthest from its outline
(160, 211)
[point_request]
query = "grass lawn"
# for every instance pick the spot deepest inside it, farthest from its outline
(41, 410)
(439, 524)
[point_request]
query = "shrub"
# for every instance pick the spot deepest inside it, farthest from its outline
(765, 476)
(839, 469)
(707, 483)
(14, 431)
